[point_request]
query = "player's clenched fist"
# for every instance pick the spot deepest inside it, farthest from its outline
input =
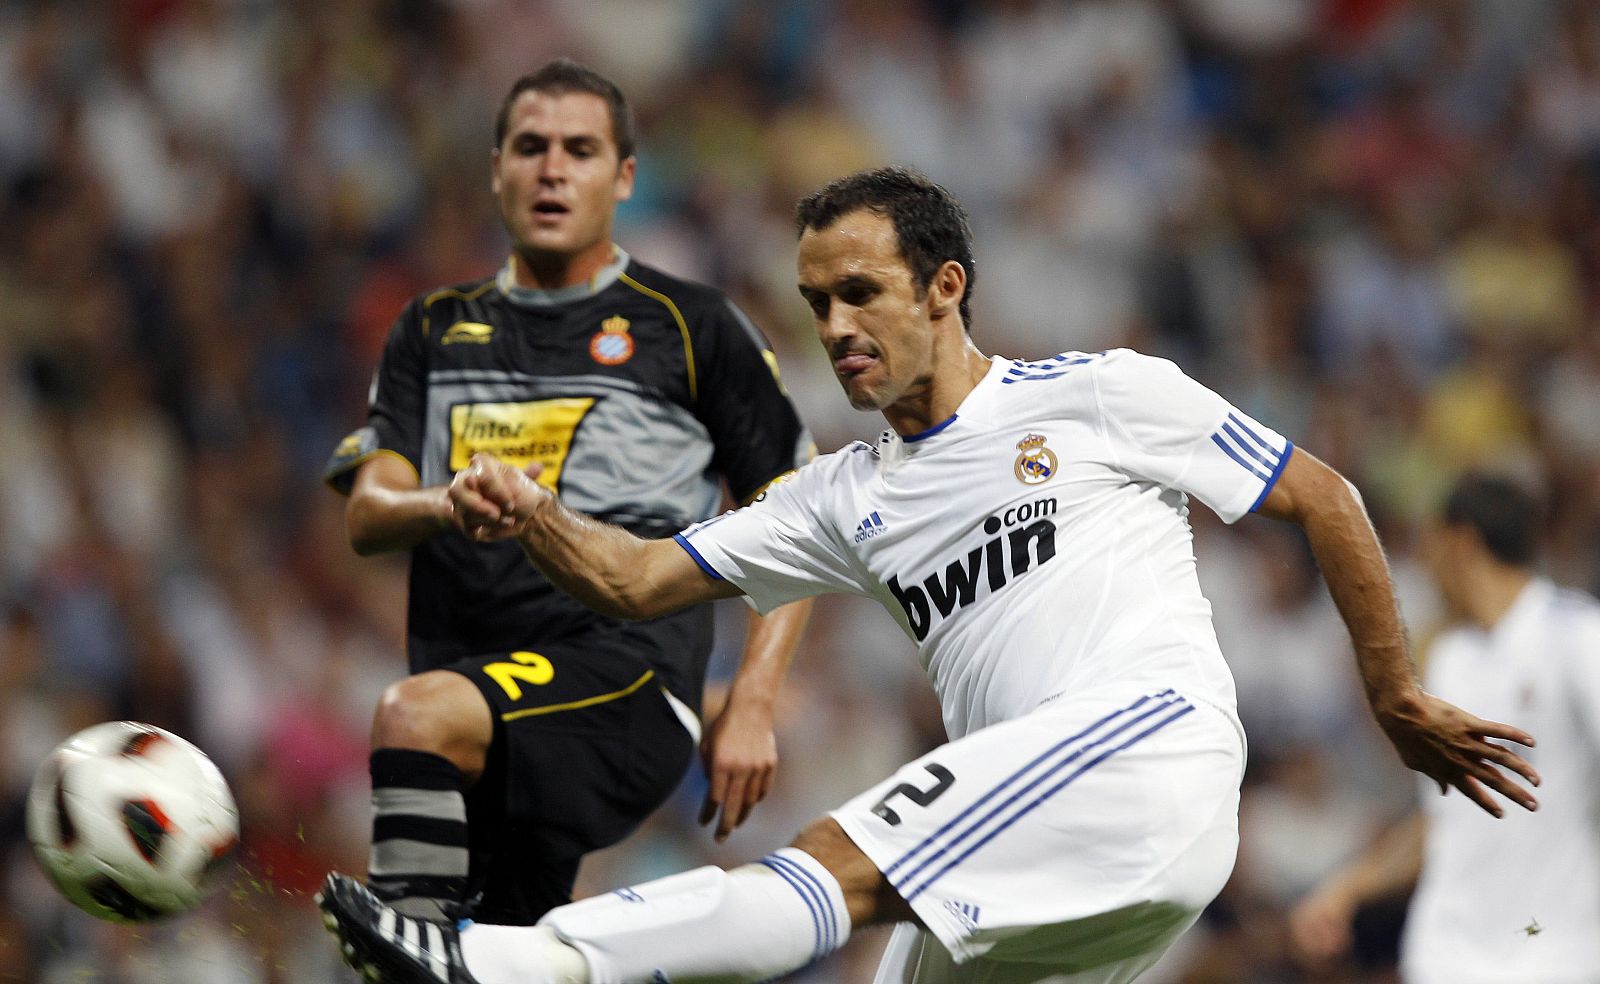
(491, 497)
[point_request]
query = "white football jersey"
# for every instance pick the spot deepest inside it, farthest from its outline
(1035, 545)
(1517, 899)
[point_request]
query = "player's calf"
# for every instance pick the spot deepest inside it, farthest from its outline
(430, 738)
(753, 923)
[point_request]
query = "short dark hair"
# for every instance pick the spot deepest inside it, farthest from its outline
(930, 225)
(561, 77)
(1505, 515)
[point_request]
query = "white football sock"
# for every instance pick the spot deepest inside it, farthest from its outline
(753, 923)
(520, 955)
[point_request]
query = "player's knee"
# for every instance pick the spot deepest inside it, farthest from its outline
(868, 895)
(439, 712)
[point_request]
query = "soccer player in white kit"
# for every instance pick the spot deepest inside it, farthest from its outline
(1518, 901)
(1026, 523)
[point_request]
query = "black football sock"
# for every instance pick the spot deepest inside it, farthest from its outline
(419, 854)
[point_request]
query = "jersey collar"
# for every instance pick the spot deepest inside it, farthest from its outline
(975, 405)
(1526, 610)
(535, 297)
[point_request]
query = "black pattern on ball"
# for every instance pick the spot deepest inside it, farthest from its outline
(148, 827)
(119, 900)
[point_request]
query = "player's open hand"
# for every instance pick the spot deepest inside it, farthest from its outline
(741, 757)
(1452, 747)
(490, 498)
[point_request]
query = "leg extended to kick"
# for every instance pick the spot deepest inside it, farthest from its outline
(430, 739)
(752, 923)
(1082, 837)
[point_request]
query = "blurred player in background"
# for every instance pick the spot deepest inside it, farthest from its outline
(1025, 523)
(535, 730)
(1494, 903)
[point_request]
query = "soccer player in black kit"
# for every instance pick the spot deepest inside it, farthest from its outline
(532, 730)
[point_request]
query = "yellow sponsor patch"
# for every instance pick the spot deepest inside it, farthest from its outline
(520, 433)
(467, 331)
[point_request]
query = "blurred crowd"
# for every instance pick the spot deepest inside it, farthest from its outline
(1373, 224)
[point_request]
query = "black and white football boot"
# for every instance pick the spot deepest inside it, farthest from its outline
(386, 947)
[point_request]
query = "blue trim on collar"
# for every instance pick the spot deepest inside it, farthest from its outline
(936, 428)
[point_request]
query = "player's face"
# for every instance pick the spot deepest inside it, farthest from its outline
(870, 316)
(557, 174)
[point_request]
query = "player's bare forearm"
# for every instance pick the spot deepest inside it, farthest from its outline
(1347, 551)
(603, 566)
(769, 648)
(389, 510)
(740, 751)
(1432, 736)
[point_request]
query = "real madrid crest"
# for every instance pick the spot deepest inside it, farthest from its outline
(1037, 463)
(612, 345)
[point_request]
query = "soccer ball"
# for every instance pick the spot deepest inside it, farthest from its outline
(130, 821)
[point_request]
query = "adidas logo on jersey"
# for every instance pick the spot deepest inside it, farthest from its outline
(868, 528)
(1002, 559)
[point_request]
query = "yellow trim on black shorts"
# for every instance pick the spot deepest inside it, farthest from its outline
(683, 328)
(577, 704)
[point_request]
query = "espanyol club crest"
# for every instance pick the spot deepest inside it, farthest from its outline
(612, 345)
(1037, 463)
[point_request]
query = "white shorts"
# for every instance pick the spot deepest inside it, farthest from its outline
(1083, 838)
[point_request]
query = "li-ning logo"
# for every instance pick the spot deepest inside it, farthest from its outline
(1037, 463)
(868, 528)
(467, 331)
(612, 345)
(1004, 558)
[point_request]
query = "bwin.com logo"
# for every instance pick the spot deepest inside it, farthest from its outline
(992, 565)
(868, 528)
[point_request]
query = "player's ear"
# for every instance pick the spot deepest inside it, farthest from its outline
(494, 171)
(946, 289)
(624, 183)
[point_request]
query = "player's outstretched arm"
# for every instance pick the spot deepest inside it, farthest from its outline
(603, 566)
(1433, 737)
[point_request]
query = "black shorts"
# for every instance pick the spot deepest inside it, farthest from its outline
(585, 747)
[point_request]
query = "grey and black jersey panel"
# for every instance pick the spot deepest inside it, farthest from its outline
(598, 471)
(637, 399)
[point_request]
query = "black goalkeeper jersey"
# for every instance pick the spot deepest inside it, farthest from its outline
(636, 397)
